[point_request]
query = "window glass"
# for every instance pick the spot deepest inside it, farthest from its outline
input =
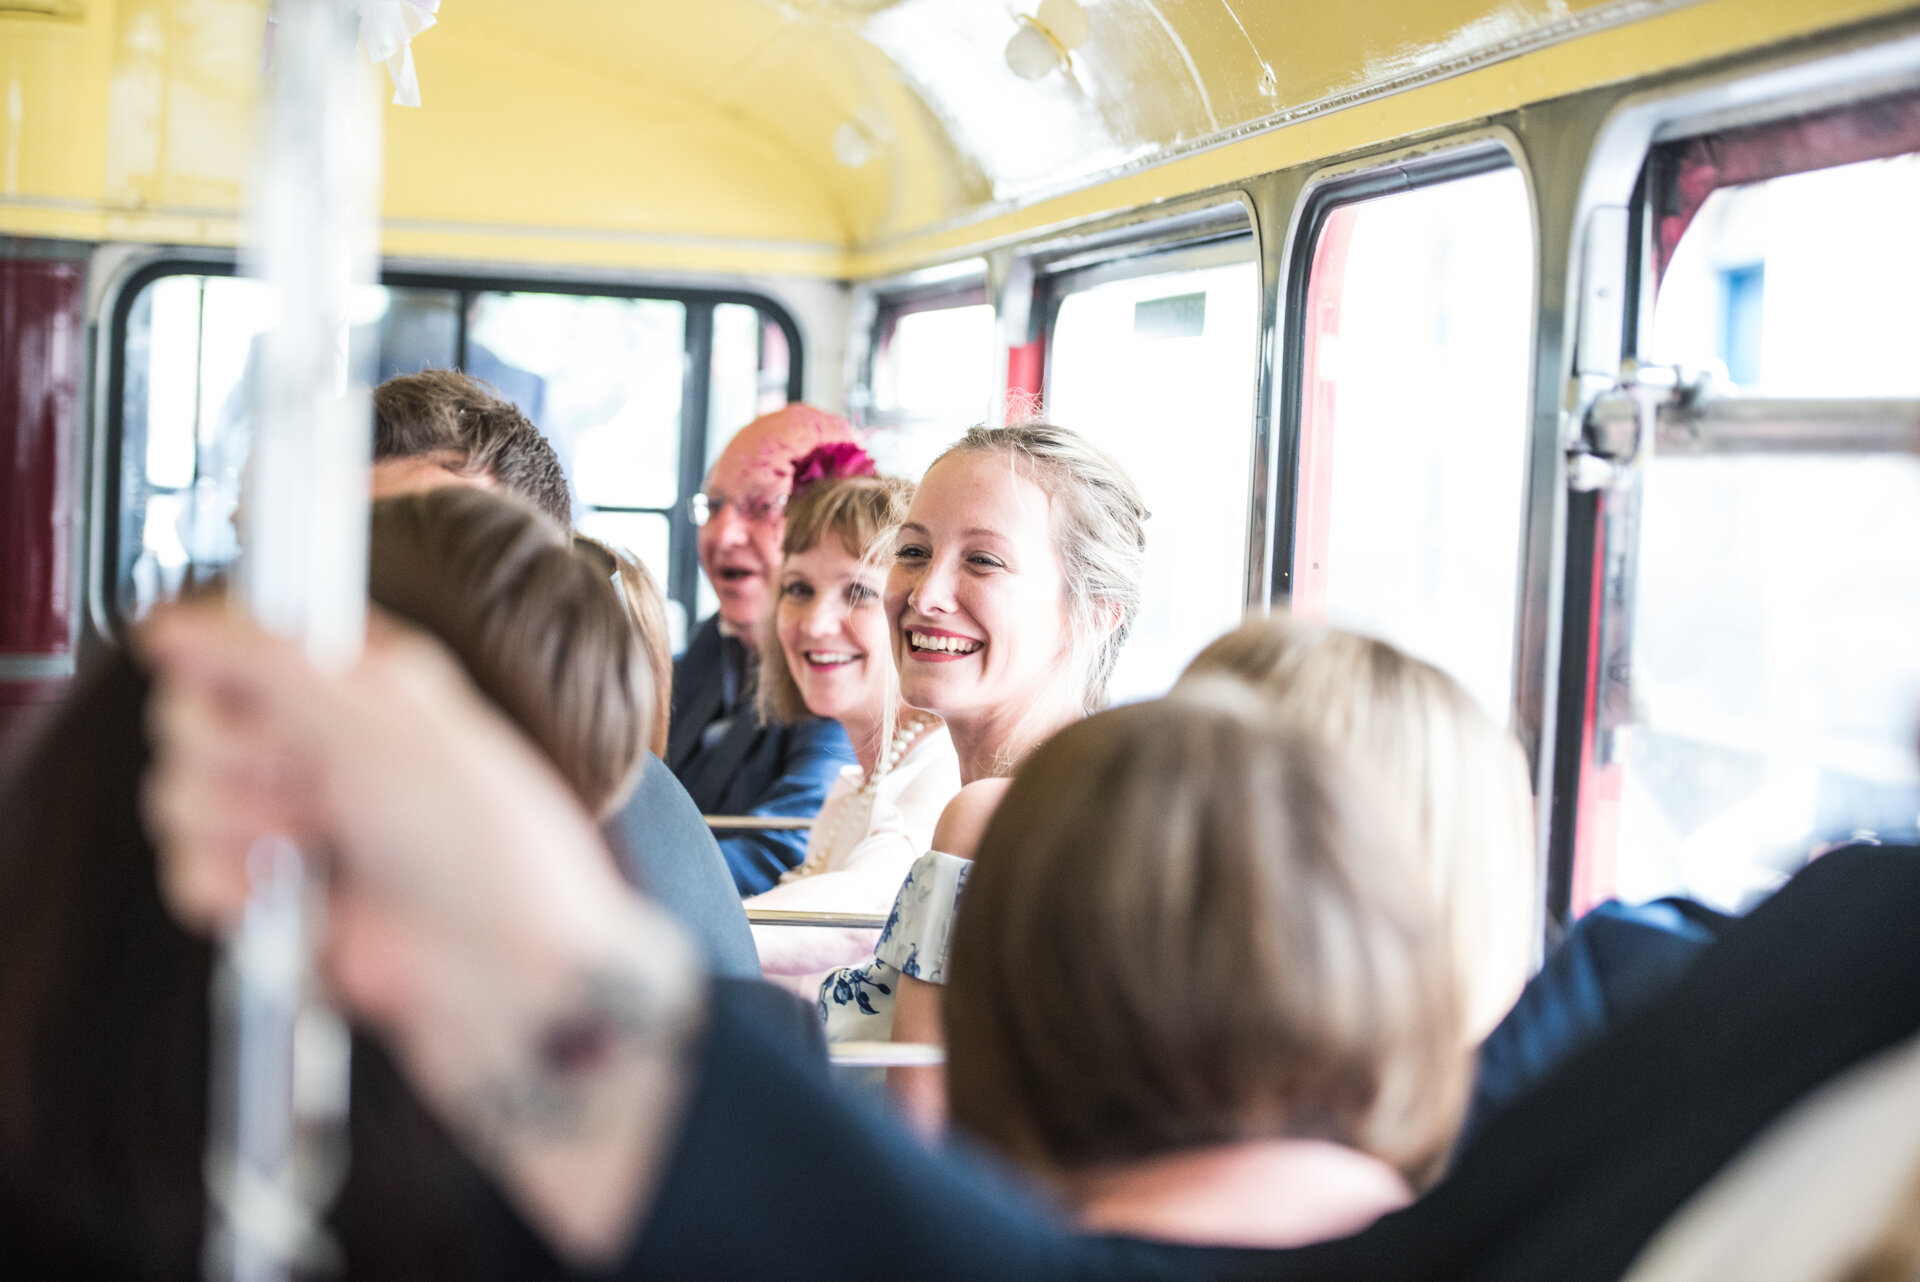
(934, 376)
(417, 329)
(1414, 424)
(749, 372)
(1774, 676)
(1801, 285)
(649, 537)
(1160, 371)
(645, 534)
(190, 347)
(602, 377)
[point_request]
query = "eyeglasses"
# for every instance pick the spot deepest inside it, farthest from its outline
(702, 508)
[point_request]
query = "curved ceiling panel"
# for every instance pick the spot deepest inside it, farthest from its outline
(915, 113)
(619, 129)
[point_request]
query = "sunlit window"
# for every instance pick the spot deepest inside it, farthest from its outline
(1775, 678)
(604, 378)
(189, 348)
(1414, 424)
(933, 377)
(748, 375)
(1801, 285)
(1769, 700)
(1160, 370)
(748, 372)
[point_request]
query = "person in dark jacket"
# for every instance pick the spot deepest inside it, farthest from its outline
(1613, 961)
(667, 854)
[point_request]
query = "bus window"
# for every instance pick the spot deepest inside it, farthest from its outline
(1768, 700)
(1414, 423)
(934, 375)
(187, 348)
(603, 377)
(1160, 371)
(1774, 676)
(749, 372)
(1801, 285)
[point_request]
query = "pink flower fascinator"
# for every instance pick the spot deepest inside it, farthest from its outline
(834, 461)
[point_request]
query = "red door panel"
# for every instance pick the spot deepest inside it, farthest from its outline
(42, 321)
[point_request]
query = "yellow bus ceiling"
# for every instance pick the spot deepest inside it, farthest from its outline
(825, 137)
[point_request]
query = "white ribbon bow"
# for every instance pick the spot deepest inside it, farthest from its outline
(387, 29)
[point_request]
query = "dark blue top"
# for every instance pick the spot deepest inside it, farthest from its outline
(1613, 961)
(731, 764)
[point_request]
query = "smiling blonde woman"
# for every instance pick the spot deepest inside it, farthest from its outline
(836, 660)
(1015, 580)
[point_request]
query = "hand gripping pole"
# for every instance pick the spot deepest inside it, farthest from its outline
(276, 1137)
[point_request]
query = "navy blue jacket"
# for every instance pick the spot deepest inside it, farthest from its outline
(1613, 961)
(778, 770)
(668, 855)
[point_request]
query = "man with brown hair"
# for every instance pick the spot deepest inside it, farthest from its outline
(443, 427)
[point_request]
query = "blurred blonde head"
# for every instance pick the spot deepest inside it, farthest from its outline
(1451, 783)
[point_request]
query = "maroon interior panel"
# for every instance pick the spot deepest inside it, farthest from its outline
(41, 328)
(1859, 131)
(24, 707)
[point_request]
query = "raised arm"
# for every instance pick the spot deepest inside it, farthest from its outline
(474, 919)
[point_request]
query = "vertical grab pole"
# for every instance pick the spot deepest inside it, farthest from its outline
(276, 1139)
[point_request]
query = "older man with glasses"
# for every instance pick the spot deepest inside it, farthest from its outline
(728, 761)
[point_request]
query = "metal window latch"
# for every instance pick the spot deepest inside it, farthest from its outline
(1619, 421)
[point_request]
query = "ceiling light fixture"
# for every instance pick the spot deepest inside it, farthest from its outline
(1044, 41)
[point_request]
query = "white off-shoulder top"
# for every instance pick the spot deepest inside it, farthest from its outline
(866, 872)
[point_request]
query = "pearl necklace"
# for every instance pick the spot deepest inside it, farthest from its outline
(857, 812)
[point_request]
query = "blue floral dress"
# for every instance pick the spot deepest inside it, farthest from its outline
(856, 1002)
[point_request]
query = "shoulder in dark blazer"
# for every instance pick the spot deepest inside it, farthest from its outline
(1613, 961)
(697, 692)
